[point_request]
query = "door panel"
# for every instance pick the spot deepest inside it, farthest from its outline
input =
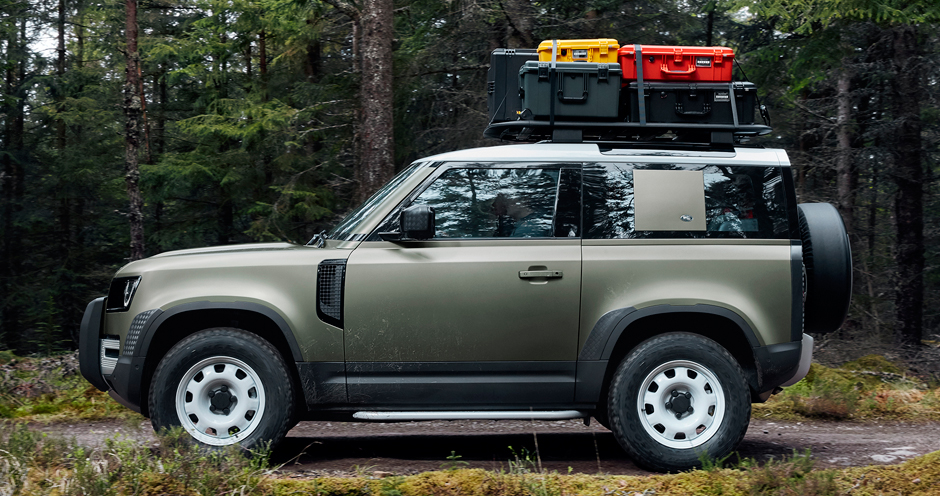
(487, 311)
(462, 301)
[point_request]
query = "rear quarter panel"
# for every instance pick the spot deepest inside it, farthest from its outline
(749, 277)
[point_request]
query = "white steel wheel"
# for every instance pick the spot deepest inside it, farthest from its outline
(220, 401)
(677, 398)
(224, 386)
(681, 404)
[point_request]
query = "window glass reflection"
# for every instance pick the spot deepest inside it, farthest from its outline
(493, 203)
(740, 202)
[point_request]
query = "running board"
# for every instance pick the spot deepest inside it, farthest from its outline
(477, 415)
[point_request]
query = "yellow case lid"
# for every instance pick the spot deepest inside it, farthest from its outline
(604, 44)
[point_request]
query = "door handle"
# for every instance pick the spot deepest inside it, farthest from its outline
(532, 274)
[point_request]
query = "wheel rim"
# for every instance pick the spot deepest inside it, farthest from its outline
(220, 401)
(681, 404)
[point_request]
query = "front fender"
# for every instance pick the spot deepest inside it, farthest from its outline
(152, 325)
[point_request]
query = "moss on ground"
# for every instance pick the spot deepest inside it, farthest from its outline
(48, 389)
(794, 476)
(868, 388)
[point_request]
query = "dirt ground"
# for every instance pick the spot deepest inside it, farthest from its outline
(345, 448)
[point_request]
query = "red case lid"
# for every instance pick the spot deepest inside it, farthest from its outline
(678, 51)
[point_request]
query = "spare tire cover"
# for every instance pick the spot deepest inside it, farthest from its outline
(827, 261)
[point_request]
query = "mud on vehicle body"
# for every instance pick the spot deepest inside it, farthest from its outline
(659, 291)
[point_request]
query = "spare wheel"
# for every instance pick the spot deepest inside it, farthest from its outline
(827, 262)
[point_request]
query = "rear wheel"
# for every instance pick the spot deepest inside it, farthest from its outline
(223, 386)
(676, 397)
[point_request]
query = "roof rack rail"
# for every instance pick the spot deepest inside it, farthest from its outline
(595, 131)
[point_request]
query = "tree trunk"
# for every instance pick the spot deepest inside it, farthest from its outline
(520, 16)
(13, 185)
(846, 172)
(7, 316)
(60, 74)
(312, 62)
(159, 131)
(710, 24)
(263, 64)
(376, 163)
(908, 92)
(132, 110)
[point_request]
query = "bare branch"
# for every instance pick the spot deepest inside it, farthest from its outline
(347, 8)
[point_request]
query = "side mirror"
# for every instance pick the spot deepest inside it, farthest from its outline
(417, 222)
(414, 224)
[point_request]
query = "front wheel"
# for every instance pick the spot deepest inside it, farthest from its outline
(223, 386)
(675, 398)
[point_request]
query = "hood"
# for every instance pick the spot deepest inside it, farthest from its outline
(229, 249)
(236, 257)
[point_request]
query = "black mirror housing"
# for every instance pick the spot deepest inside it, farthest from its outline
(417, 222)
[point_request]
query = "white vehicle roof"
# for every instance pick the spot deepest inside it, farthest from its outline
(592, 152)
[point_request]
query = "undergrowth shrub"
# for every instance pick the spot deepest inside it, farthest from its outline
(29, 460)
(50, 388)
(870, 387)
(823, 393)
(791, 476)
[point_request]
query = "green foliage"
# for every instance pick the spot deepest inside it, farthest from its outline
(806, 16)
(454, 462)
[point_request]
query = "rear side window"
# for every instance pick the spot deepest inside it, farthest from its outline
(740, 202)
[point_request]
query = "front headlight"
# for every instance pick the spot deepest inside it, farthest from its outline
(122, 293)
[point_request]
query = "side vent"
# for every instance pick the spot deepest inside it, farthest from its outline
(331, 278)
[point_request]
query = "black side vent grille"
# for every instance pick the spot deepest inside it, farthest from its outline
(331, 277)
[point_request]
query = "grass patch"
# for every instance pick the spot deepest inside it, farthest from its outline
(32, 463)
(868, 388)
(792, 476)
(51, 388)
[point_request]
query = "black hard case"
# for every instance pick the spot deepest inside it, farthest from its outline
(582, 90)
(502, 82)
(699, 103)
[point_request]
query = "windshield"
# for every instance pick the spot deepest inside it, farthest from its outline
(347, 228)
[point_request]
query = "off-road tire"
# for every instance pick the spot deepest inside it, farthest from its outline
(629, 423)
(232, 347)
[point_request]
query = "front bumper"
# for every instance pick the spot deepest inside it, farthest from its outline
(99, 362)
(89, 344)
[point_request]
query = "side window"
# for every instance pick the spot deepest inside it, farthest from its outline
(501, 203)
(740, 202)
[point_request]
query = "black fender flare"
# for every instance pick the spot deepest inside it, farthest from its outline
(159, 317)
(594, 358)
(608, 329)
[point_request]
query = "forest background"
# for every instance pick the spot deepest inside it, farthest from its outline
(133, 127)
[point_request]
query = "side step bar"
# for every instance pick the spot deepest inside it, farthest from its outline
(477, 415)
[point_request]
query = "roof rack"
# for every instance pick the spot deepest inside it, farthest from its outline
(599, 131)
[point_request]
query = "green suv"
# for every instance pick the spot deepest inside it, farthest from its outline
(660, 290)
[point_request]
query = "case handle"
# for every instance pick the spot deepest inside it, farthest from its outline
(706, 109)
(572, 99)
(666, 70)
